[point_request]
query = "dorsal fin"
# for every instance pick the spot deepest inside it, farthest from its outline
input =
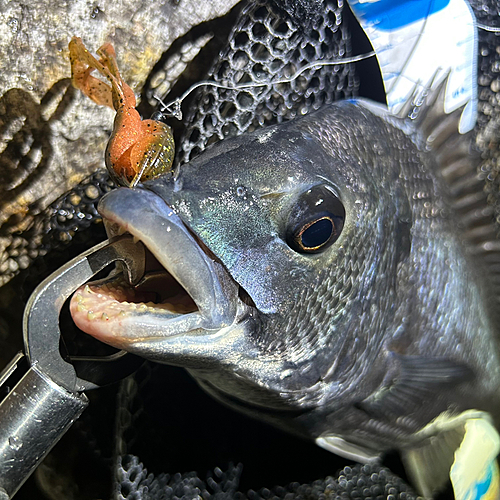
(460, 167)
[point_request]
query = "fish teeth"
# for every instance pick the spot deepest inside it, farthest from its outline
(90, 316)
(136, 239)
(121, 230)
(104, 317)
(87, 289)
(80, 307)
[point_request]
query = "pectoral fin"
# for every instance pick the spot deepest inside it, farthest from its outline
(416, 391)
(412, 383)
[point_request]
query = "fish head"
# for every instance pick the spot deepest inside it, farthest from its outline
(282, 247)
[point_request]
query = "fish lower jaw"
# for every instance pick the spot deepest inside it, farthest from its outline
(116, 314)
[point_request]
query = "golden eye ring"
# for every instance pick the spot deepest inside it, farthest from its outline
(312, 242)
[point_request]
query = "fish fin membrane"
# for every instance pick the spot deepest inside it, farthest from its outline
(415, 380)
(460, 166)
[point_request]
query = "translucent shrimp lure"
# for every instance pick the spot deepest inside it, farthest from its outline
(138, 150)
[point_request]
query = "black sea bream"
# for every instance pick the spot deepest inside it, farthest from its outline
(317, 274)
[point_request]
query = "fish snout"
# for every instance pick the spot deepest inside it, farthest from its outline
(185, 297)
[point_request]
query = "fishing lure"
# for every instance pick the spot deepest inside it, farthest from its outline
(138, 150)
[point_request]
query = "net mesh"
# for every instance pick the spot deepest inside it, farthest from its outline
(264, 44)
(359, 481)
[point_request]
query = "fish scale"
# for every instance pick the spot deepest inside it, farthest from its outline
(426, 212)
(341, 378)
(429, 212)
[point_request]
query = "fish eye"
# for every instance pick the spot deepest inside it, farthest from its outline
(315, 221)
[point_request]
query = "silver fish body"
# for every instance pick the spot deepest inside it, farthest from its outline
(361, 333)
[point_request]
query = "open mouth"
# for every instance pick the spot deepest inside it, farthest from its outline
(114, 297)
(184, 289)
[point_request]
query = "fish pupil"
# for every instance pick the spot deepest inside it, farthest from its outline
(315, 221)
(317, 233)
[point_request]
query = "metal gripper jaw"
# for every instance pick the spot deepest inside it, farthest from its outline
(42, 392)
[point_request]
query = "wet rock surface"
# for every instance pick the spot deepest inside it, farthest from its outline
(51, 136)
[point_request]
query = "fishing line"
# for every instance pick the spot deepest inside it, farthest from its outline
(492, 29)
(173, 108)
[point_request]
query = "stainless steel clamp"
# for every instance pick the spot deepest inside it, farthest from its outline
(42, 392)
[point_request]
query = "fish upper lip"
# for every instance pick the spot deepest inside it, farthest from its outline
(146, 216)
(138, 211)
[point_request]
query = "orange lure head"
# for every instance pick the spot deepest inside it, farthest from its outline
(138, 150)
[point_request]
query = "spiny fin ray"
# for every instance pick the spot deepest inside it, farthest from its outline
(459, 165)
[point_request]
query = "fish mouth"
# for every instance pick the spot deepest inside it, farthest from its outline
(185, 292)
